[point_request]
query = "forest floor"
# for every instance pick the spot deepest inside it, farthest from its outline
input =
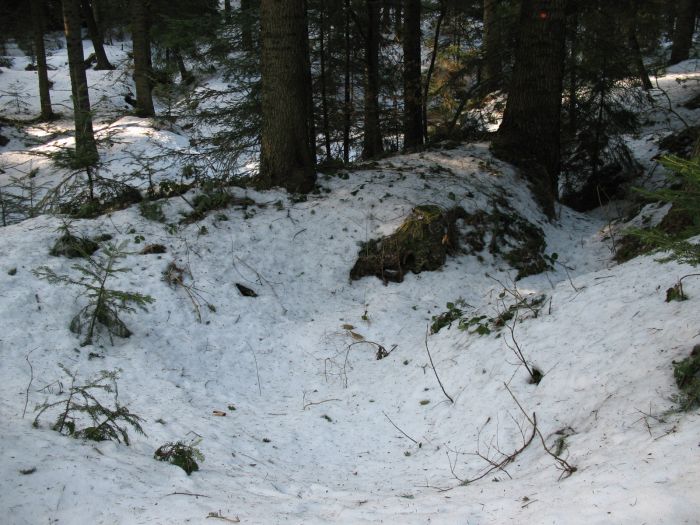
(284, 395)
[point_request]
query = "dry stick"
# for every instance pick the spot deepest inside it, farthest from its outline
(313, 403)
(566, 468)
(187, 494)
(257, 372)
(517, 350)
(404, 433)
(31, 378)
(433, 367)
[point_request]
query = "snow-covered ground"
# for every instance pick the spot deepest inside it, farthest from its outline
(316, 429)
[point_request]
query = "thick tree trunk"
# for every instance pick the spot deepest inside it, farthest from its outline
(248, 8)
(324, 87)
(227, 10)
(142, 58)
(683, 31)
(372, 145)
(529, 133)
(85, 147)
(637, 56)
(96, 36)
(431, 67)
(573, 73)
(493, 45)
(412, 96)
(286, 158)
(39, 26)
(347, 88)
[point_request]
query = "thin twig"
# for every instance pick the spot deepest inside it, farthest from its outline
(566, 468)
(257, 372)
(187, 494)
(404, 433)
(433, 367)
(31, 378)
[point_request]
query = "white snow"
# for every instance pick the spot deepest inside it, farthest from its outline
(311, 438)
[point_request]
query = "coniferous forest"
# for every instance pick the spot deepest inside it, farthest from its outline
(350, 261)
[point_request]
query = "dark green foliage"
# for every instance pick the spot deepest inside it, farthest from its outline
(687, 375)
(105, 305)
(675, 293)
(84, 404)
(152, 210)
(183, 455)
(105, 196)
(421, 243)
(214, 197)
(474, 323)
(681, 144)
(505, 233)
(683, 221)
(74, 246)
(453, 313)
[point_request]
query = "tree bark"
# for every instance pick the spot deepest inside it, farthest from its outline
(372, 145)
(96, 36)
(142, 58)
(347, 88)
(286, 158)
(493, 44)
(573, 72)
(431, 67)
(248, 8)
(683, 30)
(85, 147)
(39, 26)
(637, 56)
(324, 86)
(412, 96)
(529, 133)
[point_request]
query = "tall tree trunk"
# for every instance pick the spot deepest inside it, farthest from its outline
(493, 45)
(185, 75)
(324, 86)
(372, 145)
(85, 147)
(412, 96)
(529, 133)
(142, 58)
(39, 26)
(227, 10)
(347, 88)
(96, 36)
(573, 73)
(286, 158)
(637, 55)
(683, 31)
(248, 8)
(431, 67)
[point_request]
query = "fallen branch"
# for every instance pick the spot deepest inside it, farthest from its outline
(563, 465)
(187, 494)
(404, 433)
(31, 379)
(434, 369)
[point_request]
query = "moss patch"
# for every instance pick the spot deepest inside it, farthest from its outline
(72, 246)
(687, 374)
(682, 143)
(508, 235)
(420, 244)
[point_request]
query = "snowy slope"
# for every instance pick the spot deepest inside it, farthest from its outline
(313, 437)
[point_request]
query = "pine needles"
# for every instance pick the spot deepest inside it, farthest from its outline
(81, 413)
(105, 304)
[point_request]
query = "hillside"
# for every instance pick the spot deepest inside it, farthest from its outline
(316, 429)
